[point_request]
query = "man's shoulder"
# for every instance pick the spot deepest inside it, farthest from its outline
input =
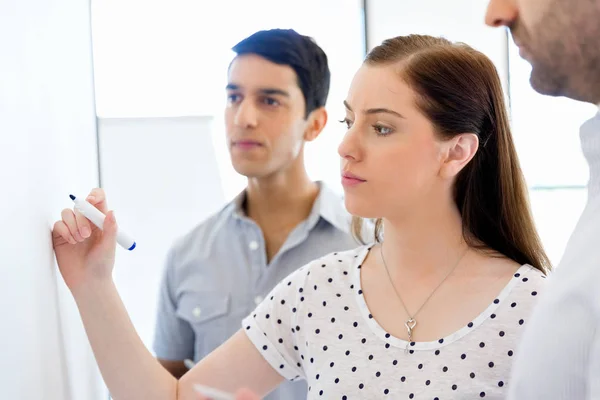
(202, 236)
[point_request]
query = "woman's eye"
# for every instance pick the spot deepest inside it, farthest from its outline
(346, 122)
(382, 130)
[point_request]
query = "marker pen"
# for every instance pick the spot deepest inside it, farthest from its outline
(189, 364)
(97, 218)
(213, 394)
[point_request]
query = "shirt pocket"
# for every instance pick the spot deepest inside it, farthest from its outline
(209, 316)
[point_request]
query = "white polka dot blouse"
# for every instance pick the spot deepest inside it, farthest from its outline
(315, 325)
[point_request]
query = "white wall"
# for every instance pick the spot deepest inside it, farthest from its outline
(550, 124)
(47, 149)
(162, 179)
(456, 20)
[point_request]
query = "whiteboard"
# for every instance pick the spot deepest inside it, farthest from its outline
(162, 178)
(47, 149)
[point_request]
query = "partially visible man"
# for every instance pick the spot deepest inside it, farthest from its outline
(559, 357)
(216, 275)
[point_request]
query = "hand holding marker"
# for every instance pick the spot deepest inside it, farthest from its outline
(75, 261)
(97, 218)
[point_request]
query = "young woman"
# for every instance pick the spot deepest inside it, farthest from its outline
(433, 309)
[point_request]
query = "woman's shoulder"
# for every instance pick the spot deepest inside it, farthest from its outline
(530, 277)
(518, 276)
(338, 261)
(346, 257)
(528, 285)
(514, 285)
(327, 266)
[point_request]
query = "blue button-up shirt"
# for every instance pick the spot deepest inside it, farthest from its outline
(217, 274)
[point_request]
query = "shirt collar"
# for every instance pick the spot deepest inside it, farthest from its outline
(328, 206)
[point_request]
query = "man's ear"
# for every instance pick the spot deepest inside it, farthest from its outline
(316, 122)
(458, 152)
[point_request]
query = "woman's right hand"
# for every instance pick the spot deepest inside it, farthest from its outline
(85, 253)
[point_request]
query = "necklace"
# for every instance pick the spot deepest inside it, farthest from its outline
(411, 322)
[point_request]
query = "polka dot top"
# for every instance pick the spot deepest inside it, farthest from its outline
(315, 325)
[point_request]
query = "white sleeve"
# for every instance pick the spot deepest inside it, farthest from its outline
(554, 357)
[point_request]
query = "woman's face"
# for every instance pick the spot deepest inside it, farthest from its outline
(391, 155)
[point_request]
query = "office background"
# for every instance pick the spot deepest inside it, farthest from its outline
(129, 95)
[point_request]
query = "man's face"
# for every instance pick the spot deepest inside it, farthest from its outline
(561, 40)
(265, 116)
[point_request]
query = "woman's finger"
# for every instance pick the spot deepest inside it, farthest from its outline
(97, 198)
(69, 220)
(61, 234)
(83, 225)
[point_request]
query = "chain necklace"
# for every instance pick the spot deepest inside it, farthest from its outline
(411, 322)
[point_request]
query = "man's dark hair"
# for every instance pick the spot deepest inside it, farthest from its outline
(301, 53)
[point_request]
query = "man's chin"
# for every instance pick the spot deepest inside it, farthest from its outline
(249, 171)
(544, 83)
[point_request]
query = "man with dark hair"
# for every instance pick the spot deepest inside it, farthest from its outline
(301, 53)
(559, 357)
(216, 274)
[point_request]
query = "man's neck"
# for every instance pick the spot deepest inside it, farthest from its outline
(280, 194)
(279, 203)
(281, 199)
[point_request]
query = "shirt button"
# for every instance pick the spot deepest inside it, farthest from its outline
(258, 300)
(196, 312)
(253, 245)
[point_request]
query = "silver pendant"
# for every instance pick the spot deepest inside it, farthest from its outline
(410, 325)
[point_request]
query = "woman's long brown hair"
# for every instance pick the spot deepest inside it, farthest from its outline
(458, 89)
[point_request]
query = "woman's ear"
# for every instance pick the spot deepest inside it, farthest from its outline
(459, 151)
